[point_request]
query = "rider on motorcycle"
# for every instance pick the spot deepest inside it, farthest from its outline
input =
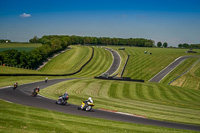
(37, 88)
(65, 96)
(16, 84)
(88, 101)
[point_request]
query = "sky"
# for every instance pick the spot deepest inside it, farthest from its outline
(171, 21)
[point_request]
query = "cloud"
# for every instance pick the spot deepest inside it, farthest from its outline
(24, 15)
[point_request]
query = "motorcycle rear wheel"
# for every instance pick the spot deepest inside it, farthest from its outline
(88, 108)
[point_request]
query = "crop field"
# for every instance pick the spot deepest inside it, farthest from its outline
(18, 46)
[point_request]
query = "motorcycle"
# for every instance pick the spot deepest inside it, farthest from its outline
(34, 93)
(86, 106)
(15, 86)
(62, 101)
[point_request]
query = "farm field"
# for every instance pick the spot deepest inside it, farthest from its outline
(19, 46)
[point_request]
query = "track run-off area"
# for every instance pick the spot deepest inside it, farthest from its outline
(22, 96)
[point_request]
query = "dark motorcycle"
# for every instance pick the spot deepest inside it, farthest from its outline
(62, 101)
(15, 86)
(34, 93)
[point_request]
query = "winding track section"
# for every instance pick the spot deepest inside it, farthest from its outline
(22, 96)
(157, 78)
(116, 61)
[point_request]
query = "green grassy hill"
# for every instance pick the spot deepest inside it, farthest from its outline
(100, 63)
(69, 61)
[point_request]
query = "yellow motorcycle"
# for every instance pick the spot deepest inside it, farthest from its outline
(86, 106)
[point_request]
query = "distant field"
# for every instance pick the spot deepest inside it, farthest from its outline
(18, 46)
(152, 100)
(14, 70)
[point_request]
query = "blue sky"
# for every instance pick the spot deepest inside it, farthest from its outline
(171, 21)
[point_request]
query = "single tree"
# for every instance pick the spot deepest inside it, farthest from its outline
(159, 44)
(180, 45)
(165, 44)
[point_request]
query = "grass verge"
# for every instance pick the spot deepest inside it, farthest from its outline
(19, 118)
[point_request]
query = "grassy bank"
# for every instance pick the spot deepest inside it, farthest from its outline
(19, 118)
(69, 61)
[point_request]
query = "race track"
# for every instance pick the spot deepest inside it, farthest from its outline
(157, 78)
(22, 95)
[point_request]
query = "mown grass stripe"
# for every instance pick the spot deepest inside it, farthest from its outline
(126, 90)
(112, 91)
(139, 92)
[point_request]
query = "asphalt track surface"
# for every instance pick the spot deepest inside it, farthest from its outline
(157, 78)
(22, 95)
(116, 62)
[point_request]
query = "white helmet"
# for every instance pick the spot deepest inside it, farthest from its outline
(90, 99)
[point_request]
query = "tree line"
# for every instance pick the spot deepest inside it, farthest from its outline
(140, 42)
(185, 45)
(54, 43)
(33, 58)
(5, 41)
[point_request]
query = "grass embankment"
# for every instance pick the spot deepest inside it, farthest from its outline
(19, 46)
(100, 63)
(76, 57)
(153, 100)
(188, 64)
(68, 62)
(145, 66)
(189, 80)
(16, 118)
